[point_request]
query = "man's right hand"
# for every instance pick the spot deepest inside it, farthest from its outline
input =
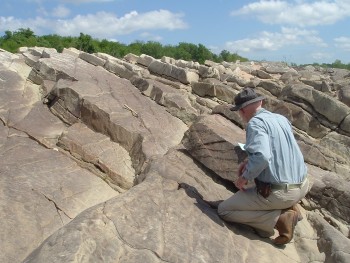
(241, 167)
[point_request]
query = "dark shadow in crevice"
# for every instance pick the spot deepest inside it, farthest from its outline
(209, 210)
(229, 185)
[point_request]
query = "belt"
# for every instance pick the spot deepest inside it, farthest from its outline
(287, 186)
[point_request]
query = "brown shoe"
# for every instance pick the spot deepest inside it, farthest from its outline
(285, 226)
(296, 209)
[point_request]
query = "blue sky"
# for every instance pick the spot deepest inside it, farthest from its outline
(298, 31)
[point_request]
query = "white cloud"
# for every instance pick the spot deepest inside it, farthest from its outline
(269, 41)
(103, 24)
(300, 13)
(150, 37)
(60, 11)
(321, 56)
(99, 25)
(343, 43)
(13, 24)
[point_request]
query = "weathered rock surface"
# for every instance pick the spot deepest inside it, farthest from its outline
(95, 148)
(41, 191)
(114, 160)
(167, 225)
(213, 140)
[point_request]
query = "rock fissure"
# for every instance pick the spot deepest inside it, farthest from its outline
(3, 122)
(127, 243)
(55, 204)
(29, 136)
(91, 167)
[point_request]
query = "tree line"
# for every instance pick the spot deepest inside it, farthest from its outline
(25, 37)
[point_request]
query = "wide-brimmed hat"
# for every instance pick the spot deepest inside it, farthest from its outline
(244, 98)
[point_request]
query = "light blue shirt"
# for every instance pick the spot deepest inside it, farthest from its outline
(273, 153)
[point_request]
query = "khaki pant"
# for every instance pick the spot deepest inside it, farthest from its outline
(250, 208)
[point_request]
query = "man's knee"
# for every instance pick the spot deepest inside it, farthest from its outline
(221, 210)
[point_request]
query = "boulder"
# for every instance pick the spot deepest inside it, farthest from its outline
(344, 95)
(176, 101)
(99, 151)
(213, 141)
(92, 59)
(173, 72)
(327, 106)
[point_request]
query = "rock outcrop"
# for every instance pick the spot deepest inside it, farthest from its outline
(114, 160)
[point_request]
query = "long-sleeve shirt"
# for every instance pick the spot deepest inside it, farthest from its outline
(273, 153)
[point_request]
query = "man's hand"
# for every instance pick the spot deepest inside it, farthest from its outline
(241, 167)
(240, 183)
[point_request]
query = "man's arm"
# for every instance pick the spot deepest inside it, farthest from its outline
(258, 149)
(241, 181)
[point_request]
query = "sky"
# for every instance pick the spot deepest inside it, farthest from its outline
(298, 31)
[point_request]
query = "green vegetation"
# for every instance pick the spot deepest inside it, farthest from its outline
(336, 64)
(11, 41)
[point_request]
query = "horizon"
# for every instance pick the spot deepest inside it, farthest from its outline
(310, 32)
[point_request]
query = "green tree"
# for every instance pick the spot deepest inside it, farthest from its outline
(203, 54)
(337, 64)
(8, 35)
(135, 48)
(85, 43)
(25, 32)
(25, 37)
(169, 51)
(151, 48)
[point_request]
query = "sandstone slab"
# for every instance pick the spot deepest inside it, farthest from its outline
(40, 191)
(167, 225)
(213, 141)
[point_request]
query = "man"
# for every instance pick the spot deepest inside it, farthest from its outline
(277, 166)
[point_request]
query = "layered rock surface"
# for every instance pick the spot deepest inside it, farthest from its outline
(114, 160)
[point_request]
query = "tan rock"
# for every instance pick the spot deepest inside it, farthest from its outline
(213, 141)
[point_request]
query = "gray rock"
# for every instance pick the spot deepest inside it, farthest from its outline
(171, 71)
(325, 105)
(331, 192)
(40, 191)
(344, 95)
(213, 141)
(145, 60)
(71, 51)
(176, 101)
(132, 58)
(167, 220)
(92, 59)
(261, 74)
(333, 244)
(97, 149)
(273, 86)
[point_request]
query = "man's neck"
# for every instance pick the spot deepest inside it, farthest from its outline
(254, 112)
